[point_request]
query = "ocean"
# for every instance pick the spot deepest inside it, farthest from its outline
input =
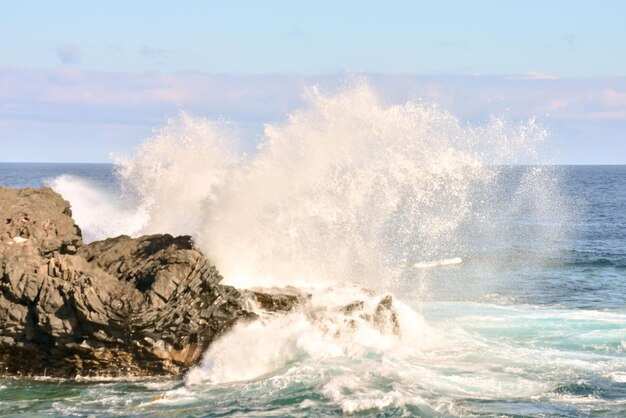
(522, 340)
(509, 280)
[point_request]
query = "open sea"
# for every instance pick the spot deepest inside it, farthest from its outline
(511, 337)
(508, 280)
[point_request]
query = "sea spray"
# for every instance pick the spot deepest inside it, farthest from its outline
(178, 171)
(345, 321)
(347, 189)
(100, 213)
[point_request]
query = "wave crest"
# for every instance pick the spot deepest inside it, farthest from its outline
(348, 187)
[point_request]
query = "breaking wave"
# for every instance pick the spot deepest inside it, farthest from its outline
(348, 188)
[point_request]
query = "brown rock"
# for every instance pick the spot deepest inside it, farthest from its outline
(121, 306)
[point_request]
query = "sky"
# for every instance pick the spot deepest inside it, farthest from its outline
(81, 80)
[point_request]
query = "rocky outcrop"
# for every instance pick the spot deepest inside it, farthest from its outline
(122, 306)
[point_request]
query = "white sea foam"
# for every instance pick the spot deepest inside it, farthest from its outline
(423, 367)
(619, 377)
(322, 329)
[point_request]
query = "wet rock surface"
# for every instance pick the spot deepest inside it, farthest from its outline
(367, 308)
(275, 300)
(122, 306)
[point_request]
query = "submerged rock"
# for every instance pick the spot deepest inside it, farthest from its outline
(275, 300)
(121, 306)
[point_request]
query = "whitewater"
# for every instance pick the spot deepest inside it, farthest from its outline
(507, 290)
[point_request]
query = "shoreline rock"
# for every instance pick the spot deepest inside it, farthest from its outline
(122, 306)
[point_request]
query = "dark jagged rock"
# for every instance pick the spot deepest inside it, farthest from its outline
(124, 306)
(121, 306)
(276, 300)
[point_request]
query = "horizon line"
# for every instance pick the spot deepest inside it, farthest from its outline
(496, 165)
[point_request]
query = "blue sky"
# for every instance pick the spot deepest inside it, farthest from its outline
(81, 79)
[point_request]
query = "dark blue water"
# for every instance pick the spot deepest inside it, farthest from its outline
(41, 174)
(505, 333)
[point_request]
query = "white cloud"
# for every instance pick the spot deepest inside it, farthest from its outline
(533, 75)
(73, 94)
(557, 104)
(614, 115)
(612, 97)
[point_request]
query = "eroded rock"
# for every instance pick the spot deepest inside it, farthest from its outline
(121, 306)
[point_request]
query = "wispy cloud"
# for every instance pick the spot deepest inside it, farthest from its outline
(69, 53)
(72, 94)
(533, 75)
(612, 97)
(78, 104)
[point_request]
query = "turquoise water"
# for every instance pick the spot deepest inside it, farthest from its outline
(507, 360)
(502, 333)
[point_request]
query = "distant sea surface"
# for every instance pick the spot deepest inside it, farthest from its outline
(42, 174)
(503, 334)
